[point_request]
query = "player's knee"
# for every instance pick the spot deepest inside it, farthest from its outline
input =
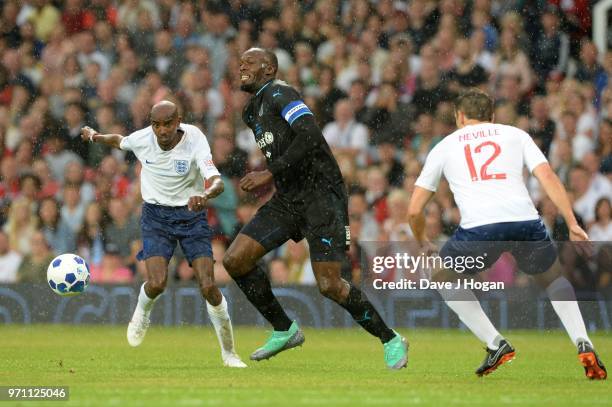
(330, 289)
(233, 264)
(156, 285)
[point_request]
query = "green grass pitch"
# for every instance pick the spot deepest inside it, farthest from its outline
(181, 366)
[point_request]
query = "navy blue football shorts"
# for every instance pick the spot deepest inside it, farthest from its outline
(527, 241)
(163, 226)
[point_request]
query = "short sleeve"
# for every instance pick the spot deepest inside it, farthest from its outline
(204, 158)
(432, 170)
(125, 144)
(288, 103)
(532, 155)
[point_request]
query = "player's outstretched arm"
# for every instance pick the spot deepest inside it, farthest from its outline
(557, 193)
(92, 136)
(197, 203)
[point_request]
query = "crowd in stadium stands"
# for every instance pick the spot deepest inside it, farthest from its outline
(380, 77)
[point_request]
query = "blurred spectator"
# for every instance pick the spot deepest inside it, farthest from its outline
(430, 89)
(184, 272)
(345, 135)
(297, 258)
(358, 211)
(541, 127)
(90, 238)
(604, 149)
(589, 69)
(396, 227)
(73, 207)
(586, 192)
(122, 231)
(329, 95)
(467, 72)
(218, 31)
(225, 206)
(21, 225)
(74, 175)
(510, 59)
(376, 193)
(111, 269)
(58, 157)
(388, 118)
(357, 96)
(388, 162)
(29, 186)
(48, 186)
(551, 48)
(279, 271)
(168, 62)
(229, 159)
(57, 231)
(601, 229)
(33, 268)
(9, 261)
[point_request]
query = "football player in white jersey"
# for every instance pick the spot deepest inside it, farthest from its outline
(483, 164)
(176, 161)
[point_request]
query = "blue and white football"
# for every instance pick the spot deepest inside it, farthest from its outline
(68, 275)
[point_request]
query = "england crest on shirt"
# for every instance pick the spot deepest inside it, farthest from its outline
(181, 166)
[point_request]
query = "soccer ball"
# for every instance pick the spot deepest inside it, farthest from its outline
(68, 275)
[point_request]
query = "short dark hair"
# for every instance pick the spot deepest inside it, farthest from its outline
(475, 104)
(271, 59)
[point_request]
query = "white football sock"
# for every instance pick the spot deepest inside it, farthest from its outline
(145, 304)
(223, 325)
(466, 306)
(563, 299)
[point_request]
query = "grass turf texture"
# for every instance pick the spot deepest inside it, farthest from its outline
(182, 367)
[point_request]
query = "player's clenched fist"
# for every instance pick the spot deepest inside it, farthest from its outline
(87, 133)
(197, 203)
(255, 179)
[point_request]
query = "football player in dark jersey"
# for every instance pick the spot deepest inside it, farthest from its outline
(310, 202)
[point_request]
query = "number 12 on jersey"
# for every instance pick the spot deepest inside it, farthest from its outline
(484, 176)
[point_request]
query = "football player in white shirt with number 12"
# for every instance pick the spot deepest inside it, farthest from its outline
(176, 160)
(483, 164)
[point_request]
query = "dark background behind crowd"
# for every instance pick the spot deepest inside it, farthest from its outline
(380, 77)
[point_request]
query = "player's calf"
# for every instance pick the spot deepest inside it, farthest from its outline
(336, 290)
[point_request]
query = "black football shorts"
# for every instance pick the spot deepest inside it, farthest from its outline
(322, 219)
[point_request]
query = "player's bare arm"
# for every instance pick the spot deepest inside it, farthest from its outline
(90, 135)
(557, 193)
(199, 202)
(416, 216)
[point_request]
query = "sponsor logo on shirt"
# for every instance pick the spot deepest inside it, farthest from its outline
(266, 140)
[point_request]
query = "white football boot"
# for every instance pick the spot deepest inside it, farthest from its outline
(137, 328)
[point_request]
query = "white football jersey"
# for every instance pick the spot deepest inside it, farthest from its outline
(171, 177)
(483, 164)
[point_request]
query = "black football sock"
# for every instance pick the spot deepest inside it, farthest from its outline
(364, 313)
(256, 286)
